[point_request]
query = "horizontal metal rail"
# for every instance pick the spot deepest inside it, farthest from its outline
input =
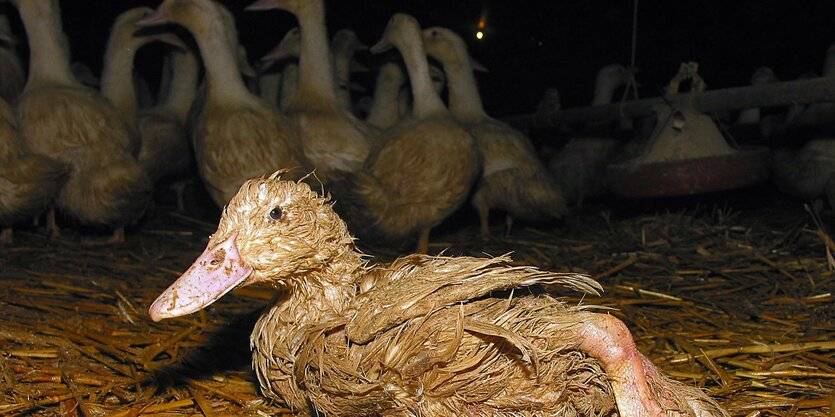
(815, 90)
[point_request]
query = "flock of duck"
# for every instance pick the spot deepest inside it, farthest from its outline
(93, 156)
(423, 335)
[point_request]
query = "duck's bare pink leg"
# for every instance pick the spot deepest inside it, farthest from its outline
(483, 219)
(423, 241)
(118, 236)
(508, 224)
(639, 387)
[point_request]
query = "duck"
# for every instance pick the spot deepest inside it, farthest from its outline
(235, 134)
(385, 109)
(165, 153)
(807, 172)
(286, 50)
(118, 76)
(29, 182)
(513, 178)
(12, 75)
(420, 170)
(75, 125)
(580, 164)
(332, 137)
(421, 335)
(269, 82)
(344, 44)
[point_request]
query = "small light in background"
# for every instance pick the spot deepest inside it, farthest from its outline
(482, 24)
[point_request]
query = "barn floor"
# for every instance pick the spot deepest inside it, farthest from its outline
(732, 292)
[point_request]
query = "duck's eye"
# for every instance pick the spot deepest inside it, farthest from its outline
(276, 213)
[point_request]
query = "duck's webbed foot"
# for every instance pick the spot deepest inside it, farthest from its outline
(640, 389)
(117, 237)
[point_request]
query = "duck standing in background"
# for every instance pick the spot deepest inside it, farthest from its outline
(29, 182)
(420, 336)
(344, 45)
(75, 125)
(384, 111)
(420, 170)
(513, 178)
(333, 138)
(235, 134)
(118, 75)
(165, 151)
(580, 165)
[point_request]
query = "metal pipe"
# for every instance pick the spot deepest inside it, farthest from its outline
(815, 90)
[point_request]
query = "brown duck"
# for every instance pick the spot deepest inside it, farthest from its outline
(423, 335)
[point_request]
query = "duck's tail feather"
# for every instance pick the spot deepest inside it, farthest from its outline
(113, 194)
(28, 185)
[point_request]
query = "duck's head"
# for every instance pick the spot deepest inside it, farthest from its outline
(198, 16)
(297, 7)
(448, 48)
(273, 232)
(290, 46)
(124, 33)
(348, 41)
(401, 28)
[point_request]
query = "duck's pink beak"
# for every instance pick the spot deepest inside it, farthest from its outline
(158, 17)
(279, 52)
(264, 5)
(218, 270)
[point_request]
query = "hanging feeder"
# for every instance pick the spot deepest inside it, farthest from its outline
(686, 153)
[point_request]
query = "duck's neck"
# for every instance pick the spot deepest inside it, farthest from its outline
(316, 74)
(219, 50)
(289, 85)
(183, 87)
(269, 87)
(49, 55)
(324, 294)
(425, 100)
(604, 89)
(464, 99)
(384, 108)
(117, 73)
(342, 75)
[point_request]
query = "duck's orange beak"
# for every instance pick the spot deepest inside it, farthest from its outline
(218, 270)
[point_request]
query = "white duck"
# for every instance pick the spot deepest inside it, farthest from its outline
(118, 75)
(28, 182)
(332, 137)
(236, 135)
(513, 179)
(288, 50)
(580, 165)
(12, 75)
(421, 169)
(75, 125)
(165, 150)
(385, 106)
(344, 45)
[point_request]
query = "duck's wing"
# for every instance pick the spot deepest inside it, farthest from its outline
(416, 285)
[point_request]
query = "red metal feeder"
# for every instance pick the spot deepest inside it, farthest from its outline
(746, 167)
(687, 154)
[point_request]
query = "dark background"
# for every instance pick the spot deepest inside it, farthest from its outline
(532, 45)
